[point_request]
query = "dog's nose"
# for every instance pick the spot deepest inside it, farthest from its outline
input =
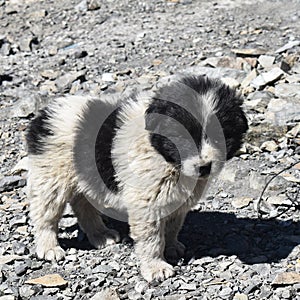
(204, 170)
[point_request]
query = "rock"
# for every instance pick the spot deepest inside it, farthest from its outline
(290, 177)
(108, 77)
(19, 248)
(282, 111)
(20, 268)
(17, 220)
(82, 6)
(241, 202)
(288, 46)
(266, 61)
(50, 280)
(102, 269)
(249, 52)
(228, 174)
(26, 292)
(5, 49)
(240, 296)
(64, 82)
(269, 146)
(256, 181)
(295, 78)
(107, 294)
(267, 78)
(27, 42)
(7, 297)
(225, 293)
(8, 183)
(49, 74)
(278, 200)
(249, 78)
(233, 83)
(287, 90)
(21, 166)
(93, 4)
(141, 286)
(48, 87)
(24, 107)
(5, 259)
(286, 278)
(188, 286)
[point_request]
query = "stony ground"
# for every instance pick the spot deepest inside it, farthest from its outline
(51, 48)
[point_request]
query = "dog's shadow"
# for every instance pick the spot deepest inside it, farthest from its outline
(251, 240)
(220, 233)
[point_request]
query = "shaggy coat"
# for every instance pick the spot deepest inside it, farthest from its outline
(145, 158)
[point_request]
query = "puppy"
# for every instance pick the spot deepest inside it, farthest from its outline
(145, 158)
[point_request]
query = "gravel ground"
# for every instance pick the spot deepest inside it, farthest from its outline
(52, 48)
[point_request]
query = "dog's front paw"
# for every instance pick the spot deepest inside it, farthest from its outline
(103, 239)
(175, 250)
(50, 253)
(156, 270)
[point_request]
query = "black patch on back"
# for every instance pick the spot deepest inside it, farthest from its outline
(37, 131)
(103, 149)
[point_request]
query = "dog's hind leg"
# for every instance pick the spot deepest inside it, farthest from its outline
(47, 201)
(90, 221)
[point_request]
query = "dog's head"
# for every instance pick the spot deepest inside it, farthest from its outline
(194, 122)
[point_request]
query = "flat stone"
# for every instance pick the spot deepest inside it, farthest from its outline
(233, 83)
(290, 177)
(240, 296)
(288, 46)
(5, 259)
(49, 74)
(108, 77)
(295, 78)
(287, 90)
(26, 43)
(20, 268)
(266, 61)
(94, 4)
(7, 183)
(25, 106)
(278, 200)
(21, 166)
(249, 52)
(241, 202)
(249, 78)
(50, 280)
(269, 146)
(188, 286)
(267, 78)
(107, 294)
(282, 111)
(286, 278)
(65, 81)
(7, 297)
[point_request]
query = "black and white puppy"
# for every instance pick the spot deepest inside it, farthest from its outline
(146, 158)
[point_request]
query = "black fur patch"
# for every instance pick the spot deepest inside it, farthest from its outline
(37, 131)
(103, 149)
(232, 118)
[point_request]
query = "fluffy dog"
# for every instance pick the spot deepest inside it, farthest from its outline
(146, 158)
